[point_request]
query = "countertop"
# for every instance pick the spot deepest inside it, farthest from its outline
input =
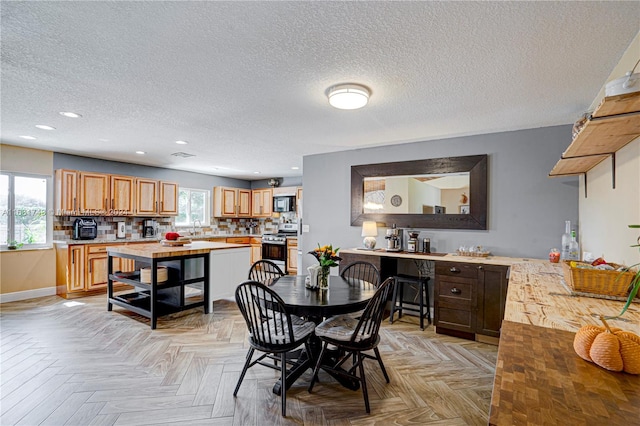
(156, 250)
(447, 257)
(152, 240)
(539, 378)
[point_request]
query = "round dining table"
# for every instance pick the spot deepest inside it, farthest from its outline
(344, 296)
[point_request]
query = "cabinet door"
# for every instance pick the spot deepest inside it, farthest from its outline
(455, 296)
(96, 271)
(244, 203)
(492, 295)
(94, 194)
(292, 257)
(256, 203)
(299, 201)
(66, 193)
(147, 197)
(122, 195)
(75, 269)
(224, 201)
(168, 199)
(267, 202)
(256, 253)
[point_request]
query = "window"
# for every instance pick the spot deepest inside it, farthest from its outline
(24, 203)
(193, 204)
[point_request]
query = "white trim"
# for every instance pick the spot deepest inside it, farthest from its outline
(27, 294)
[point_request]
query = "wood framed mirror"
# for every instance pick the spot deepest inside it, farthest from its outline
(440, 193)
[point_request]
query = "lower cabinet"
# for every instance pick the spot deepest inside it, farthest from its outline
(292, 256)
(470, 299)
(256, 249)
(81, 269)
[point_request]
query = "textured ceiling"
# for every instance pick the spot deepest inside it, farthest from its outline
(245, 82)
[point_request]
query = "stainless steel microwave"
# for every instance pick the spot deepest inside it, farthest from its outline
(284, 203)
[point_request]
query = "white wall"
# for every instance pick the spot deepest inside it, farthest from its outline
(606, 212)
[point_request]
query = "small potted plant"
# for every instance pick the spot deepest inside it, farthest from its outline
(13, 245)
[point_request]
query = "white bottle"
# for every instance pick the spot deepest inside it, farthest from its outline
(574, 248)
(566, 241)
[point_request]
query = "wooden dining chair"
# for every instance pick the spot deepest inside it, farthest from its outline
(361, 270)
(264, 270)
(272, 331)
(353, 337)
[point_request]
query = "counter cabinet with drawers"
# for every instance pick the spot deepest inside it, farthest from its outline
(469, 294)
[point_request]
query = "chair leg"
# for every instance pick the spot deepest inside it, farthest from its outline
(244, 370)
(317, 367)
(379, 358)
(393, 303)
(365, 394)
(421, 308)
(283, 381)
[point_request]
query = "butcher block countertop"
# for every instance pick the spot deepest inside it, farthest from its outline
(157, 250)
(539, 378)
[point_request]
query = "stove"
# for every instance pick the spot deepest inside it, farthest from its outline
(280, 238)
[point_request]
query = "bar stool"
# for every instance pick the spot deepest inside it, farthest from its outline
(398, 305)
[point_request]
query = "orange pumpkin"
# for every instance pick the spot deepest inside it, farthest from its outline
(610, 348)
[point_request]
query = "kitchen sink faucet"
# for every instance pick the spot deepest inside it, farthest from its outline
(193, 232)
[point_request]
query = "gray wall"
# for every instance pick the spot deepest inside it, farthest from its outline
(526, 209)
(184, 179)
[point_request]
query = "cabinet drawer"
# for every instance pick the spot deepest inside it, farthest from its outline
(256, 240)
(454, 289)
(239, 240)
(292, 242)
(96, 249)
(455, 319)
(455, 269)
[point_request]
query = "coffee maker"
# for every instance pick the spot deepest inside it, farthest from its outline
(149, 229)
(394, 239)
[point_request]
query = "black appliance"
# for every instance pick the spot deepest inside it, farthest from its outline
(85, 228)
(284, 203)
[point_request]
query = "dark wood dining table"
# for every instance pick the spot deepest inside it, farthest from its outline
(344, 296)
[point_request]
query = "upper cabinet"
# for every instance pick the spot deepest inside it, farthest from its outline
(262, 202)
(231, 202)
(614, 124)
(168, 199)
(99, 194)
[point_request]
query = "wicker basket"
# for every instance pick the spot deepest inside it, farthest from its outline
(145, 274)
(597, 281)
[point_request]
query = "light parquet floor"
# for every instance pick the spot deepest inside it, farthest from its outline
(70, 362)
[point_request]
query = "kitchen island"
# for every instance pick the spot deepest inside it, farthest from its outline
(196, 274)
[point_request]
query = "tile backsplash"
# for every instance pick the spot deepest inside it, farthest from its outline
(63, 226)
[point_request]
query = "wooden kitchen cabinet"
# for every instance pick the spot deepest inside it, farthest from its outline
(81, 269)
(168, 199)
(66, 192)
(146, 197)
(94, 194)
(470, 299)
(256, 249)
(262, 202)
(231, 202)
(122, 192)
(292, 256)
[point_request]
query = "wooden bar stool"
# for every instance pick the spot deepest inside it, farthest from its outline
(398, 305)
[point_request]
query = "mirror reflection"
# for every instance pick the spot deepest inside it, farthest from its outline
(417, 194)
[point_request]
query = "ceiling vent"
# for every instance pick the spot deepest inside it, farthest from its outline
(182, 154)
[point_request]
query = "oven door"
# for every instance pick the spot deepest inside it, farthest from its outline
(277, 253)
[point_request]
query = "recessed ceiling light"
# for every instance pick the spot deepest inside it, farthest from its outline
(70, 114)
(256, 173)
(31, 138)
(44, 127)
(348, 96)
(140, 152)
(182, 142)
(295, 168)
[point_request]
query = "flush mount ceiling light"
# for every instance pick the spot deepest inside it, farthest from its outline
(140, 152)
(182, 142)
(348, 96)
(31, 138)
(70, 114)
